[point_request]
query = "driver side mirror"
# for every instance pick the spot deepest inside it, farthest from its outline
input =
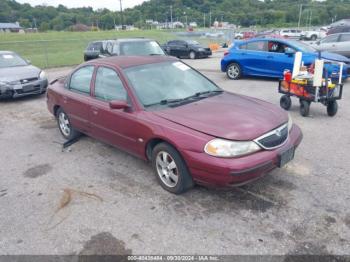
(118, 104)
(289, 51)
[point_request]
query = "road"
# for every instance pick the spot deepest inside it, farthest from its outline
(94, 199)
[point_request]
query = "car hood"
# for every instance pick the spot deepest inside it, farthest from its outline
(16, 73)
(228, 116)
(334, 57)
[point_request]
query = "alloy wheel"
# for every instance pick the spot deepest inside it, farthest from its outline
(167, 169)
(64, 124)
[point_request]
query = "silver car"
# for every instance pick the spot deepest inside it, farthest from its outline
(336, 43)
(19, 78)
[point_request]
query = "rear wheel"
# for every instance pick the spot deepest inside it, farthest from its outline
(332, 108)
(64, 125)
(234, 71)
(170, 169)
(285, 102)
(304, 108)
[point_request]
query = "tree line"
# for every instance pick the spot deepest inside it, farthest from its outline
(276, 13)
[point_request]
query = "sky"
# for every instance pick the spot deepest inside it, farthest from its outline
(96, 4)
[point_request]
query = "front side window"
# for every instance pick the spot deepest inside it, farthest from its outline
(108, 85)
(345, 38)
(330, 39)
(81, 79)
(174, 81)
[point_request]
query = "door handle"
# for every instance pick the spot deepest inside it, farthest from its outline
(94, 110)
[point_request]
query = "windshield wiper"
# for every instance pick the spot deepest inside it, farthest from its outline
(197, 95)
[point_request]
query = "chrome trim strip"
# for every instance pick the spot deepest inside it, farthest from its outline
(272, 133)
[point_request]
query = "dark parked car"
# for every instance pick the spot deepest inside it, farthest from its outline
(189, 49)
(163, 111)
(339, 29)
(19, 78)
(128, 46)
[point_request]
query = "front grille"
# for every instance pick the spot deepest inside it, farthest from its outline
(274, 138)
(28, 80)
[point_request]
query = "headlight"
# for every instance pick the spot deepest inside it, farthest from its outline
(290, 123)
(42, 75)
(226, 148)
(200, 49)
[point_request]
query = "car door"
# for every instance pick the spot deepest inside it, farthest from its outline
(344, 45)
(252, 57)
(329, 43)
(114, 126)
(76, 97)
(184, 49)
(277, 59)
(172, 48)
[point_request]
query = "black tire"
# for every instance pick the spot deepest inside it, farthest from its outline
(304, 108)
(73, 133)
(184, 181)
(314, 37)
(332, 108)
(285, 102)
(236, 72)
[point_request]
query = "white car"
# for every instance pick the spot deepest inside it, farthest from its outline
(291, 33)
(313, 34)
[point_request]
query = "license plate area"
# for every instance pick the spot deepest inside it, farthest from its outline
(285, 157)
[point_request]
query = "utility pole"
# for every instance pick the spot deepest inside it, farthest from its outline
(121, 13)
(204, 20)
(171, 16)
(300, 11)
(210, 19)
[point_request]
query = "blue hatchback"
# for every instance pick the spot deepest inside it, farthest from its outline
(270, 57)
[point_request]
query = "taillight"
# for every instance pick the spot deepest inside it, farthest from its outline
(226, 53)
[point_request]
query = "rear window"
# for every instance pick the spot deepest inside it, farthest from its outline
(141, 48)
(255, 46)
(97, 46)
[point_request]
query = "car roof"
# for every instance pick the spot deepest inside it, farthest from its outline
(131, 61)
(134, 39)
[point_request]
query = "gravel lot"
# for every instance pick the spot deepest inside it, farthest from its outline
(110, 201)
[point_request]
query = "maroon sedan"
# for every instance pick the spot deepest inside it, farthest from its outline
(163, 111)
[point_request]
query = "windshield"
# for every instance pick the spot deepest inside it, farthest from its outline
(303, 47)
(141, 48)
(96, 46)
(11, 60)
(192, 42)
(169, 81)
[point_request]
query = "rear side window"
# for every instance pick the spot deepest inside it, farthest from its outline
(81, 79)
(345, 38)
(257, 46)
(108, 85)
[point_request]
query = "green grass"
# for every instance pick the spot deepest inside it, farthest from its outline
(54, 49)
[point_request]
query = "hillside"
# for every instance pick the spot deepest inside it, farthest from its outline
(240, 12)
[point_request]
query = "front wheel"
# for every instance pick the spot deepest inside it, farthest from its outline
(192, 55)
(285, 102)
(64, 125)
(313, 37)
(234, 71)
(170, 169)
(332, 108)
